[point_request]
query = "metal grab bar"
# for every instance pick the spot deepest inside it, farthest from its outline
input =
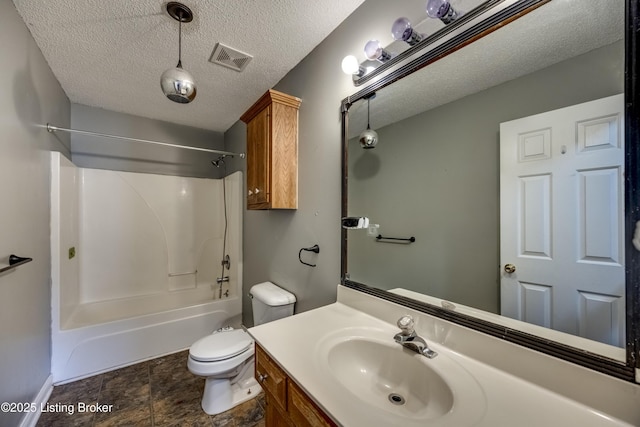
(381, 238)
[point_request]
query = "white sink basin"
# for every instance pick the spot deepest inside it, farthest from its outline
(387, 377)
(393, 381)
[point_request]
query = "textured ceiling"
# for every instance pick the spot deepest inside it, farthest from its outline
(110, 54)
(559, 30)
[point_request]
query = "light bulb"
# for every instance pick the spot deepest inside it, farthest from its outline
(402, 30)
(351, 66)
(374, 51)
(441, 9)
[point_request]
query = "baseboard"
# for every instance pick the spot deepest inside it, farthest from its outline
(31, 418)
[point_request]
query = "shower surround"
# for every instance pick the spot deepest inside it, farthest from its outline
(135, 259)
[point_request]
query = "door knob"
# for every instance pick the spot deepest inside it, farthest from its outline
(509, 268)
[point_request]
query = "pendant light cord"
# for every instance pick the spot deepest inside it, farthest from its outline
(180, 41)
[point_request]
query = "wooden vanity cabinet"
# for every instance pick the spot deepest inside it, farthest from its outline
(272, 152)
(287, 404)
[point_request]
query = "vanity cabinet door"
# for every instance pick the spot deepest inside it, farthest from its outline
(302, 411)
(274, 417)
(287, 405)
(272, 379)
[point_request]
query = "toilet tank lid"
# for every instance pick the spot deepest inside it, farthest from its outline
(271, 294)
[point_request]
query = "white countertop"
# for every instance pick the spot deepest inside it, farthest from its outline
(508, 400)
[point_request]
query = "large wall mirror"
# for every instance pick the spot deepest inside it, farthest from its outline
(509, 166)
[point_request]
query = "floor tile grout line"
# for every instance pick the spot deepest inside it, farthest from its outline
(151, 414)
(93, 416)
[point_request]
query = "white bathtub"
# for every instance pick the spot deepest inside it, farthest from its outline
(105, 345)
(142, 282)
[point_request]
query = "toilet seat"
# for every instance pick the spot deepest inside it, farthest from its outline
(220, 346)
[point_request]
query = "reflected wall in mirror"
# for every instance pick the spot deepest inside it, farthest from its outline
(436, 175)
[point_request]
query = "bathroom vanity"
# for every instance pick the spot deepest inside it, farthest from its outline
(339, 365)
(287, 404)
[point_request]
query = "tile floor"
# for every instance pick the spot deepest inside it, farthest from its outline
(159, 392)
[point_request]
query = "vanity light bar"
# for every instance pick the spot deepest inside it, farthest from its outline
(495, 21)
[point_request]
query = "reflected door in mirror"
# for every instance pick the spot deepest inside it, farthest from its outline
(562, 204)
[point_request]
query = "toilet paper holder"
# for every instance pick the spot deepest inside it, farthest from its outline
(314, 248)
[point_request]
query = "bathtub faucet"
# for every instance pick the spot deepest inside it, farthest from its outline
(222, 279)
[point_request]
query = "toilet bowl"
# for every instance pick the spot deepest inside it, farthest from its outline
(226, 357)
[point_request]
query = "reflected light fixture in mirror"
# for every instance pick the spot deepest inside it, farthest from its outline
(374, 51)
(369, 137)
(566, 347)
(403, 31)
(441, 9)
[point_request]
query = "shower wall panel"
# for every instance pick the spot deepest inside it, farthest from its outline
(143, 234)
(131, 291)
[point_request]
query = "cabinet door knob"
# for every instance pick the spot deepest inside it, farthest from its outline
(250, 193)
(257, 190)
(262, 377)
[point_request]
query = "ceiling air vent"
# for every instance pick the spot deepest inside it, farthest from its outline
(229, 57)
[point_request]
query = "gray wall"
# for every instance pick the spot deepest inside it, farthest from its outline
(114, 154)
(272, 239)
(33, 98)
(436, 176)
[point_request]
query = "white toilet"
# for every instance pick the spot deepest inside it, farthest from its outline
(225, 357)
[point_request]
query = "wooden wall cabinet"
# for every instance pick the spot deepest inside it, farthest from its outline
(287, 404)
(272, 152)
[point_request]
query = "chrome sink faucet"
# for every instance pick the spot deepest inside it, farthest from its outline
(409, 339)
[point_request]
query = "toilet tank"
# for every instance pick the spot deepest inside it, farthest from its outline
(270, 302)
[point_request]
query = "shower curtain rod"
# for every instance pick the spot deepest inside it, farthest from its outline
(53, 129)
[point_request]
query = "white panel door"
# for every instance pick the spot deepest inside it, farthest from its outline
(562, 211)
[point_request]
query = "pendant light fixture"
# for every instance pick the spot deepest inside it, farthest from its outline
(369, 137)
(178, 84)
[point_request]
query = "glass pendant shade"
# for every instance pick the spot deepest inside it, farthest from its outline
(178, 84)
(402, 30)
(441, 9)
(369, 137)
